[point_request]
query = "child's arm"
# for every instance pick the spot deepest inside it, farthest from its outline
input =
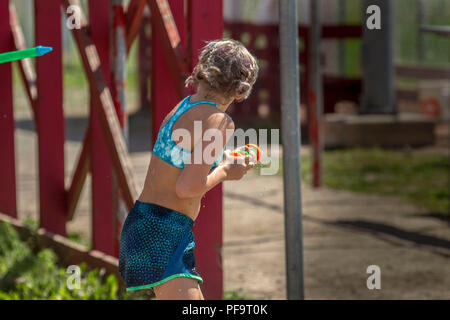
(196, 179)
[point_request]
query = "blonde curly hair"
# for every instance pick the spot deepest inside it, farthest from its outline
(227, 67)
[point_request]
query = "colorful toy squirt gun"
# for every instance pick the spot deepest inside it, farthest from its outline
(253, 152)
(23, 54)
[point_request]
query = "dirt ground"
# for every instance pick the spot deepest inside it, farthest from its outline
(343, 232)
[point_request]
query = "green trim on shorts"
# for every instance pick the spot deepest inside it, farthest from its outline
(178, 275)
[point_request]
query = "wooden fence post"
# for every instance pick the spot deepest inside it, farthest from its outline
(206, 23)
(50, 118)
(7, 164)
(164, 91)
(103, 215)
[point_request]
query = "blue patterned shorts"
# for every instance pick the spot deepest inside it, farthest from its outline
(156, 245)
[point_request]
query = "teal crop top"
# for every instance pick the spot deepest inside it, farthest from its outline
(166, 149)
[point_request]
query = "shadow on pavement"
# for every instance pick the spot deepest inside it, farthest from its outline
(377, 228)
(139, 124)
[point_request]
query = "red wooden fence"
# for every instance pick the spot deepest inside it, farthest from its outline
(103, 152)
(206, 23)
(263, 42)
(103, 194)
(7, 165)
(49, 106)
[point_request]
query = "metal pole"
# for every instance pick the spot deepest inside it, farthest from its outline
(315, 84)
(420, 35)
(341, 43)
(378, 94)
(290, 122)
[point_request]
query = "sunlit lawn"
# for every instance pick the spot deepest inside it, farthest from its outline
(422, 179)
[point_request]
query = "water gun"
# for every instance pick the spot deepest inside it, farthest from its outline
(253, 151)
(23, 54)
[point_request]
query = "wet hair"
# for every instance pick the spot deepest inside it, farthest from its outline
(227, 67)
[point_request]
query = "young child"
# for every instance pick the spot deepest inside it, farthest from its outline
(157, 243)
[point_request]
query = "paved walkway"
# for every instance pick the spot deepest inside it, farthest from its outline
(343, 232)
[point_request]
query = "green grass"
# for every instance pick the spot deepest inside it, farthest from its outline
(74, 236)
(79, 238)
(32, 223)
(27, 272)
(31, 273)
(422, 179)
(235, 295)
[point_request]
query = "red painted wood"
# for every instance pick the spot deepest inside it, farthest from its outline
(103, 215)
(134, 15)
(206, 23)
(163, 90)
(104, 107)
(82, 168)
(25, 65)
(267, 88)
(119, 52)
(118, 84)
(50, 118)
(165, 26)
(144, 63)
(7, 165)
(342, 31)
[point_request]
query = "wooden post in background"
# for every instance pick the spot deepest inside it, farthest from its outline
(144, 63)
(50, 118)
(8, 203)
(103, 215)
(163, 90)
(119, 60)
(206, 23)
(315, 93)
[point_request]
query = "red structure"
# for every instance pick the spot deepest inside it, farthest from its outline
(192, 34)
(178, 32)
(174, 50)
(262, 40)
(7, 159)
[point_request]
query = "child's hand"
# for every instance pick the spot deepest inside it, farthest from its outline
(236, 171)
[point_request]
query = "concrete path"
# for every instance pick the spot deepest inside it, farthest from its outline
(344, 232)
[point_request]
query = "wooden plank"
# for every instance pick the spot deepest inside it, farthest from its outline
(79, 176)
(342, 31)
(164, 25)
(7, 164)
(119, 59)
(206, 23)
(437, 30)
(105, 109)
(144, 63)
(164, 91)
(50, 118)
(68, 252)
(134, 16)
(331, 31)
(407, 94)
(422, 72)
(26, 69)
(103, 191)
(119, 53)
(316, 96)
